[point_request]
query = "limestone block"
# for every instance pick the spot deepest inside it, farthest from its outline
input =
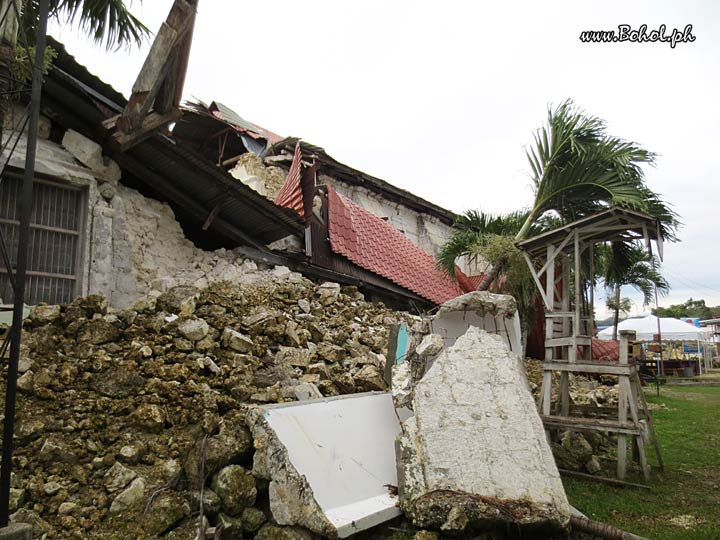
(475, 452)
(44, 314)
(237, 341)
(87, 152)
(130, 497)
(306, 390)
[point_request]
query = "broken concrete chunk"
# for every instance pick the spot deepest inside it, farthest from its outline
(475, 452)
(194, 329)
(402, 385)
(494, 313)
(306, 390)
(237, 341)
(430, 346)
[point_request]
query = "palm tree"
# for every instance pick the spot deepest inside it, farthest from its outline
(578, 169)
(621, 264)
(619, 305)
(488, 238)
(105, 21)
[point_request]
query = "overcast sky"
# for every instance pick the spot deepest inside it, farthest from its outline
(441, 98)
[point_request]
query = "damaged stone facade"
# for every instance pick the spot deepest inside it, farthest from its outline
(129, 244)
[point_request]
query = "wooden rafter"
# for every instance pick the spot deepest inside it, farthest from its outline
(155, 99)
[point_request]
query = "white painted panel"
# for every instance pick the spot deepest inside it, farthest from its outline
(345, 447)
(453, 324)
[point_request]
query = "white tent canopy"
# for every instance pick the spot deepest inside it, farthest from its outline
(647, 327)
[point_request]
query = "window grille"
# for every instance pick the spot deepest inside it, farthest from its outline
(55, 240)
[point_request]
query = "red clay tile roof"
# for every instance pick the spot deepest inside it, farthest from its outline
(290, 194)
(608, 351)
(379, 247)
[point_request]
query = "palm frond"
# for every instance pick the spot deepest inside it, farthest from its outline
(105, 21)
(577, 169)
(625, 263)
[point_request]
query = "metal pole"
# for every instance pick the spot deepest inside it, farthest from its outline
(21, 269)
(662, 370)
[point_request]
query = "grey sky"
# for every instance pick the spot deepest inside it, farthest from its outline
(442, 98)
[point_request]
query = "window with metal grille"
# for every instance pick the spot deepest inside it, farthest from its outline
(55, 240)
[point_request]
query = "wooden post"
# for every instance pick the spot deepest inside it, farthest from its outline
(623, 405)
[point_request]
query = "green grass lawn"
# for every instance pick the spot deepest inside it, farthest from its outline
(689, 489)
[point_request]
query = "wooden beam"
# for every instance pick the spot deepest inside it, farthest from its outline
(589, 424)
(536, 279)
(602, 368)
(157, 66)
(234, 159)
(605, 479)
(151, 124)
(555, 252)
(171, 89)
(211, 216)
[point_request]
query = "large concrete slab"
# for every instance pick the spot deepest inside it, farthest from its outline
(329, 462)
(475, 455)
(495, 313)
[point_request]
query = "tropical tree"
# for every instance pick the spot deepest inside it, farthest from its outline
(578, 169)
(621, 264)
(107, 22)
(490, 240)
(623, 305)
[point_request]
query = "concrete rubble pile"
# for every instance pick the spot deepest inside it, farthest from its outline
(580, 452)
(132, 423)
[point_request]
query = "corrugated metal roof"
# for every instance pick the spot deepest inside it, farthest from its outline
(226, 114)
(378, 246)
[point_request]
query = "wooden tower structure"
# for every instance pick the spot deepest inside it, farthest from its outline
(561, 263)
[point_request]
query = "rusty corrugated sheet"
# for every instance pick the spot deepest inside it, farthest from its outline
(227, 115)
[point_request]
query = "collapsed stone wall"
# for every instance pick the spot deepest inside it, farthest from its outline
(134, 244)
(131, 422)
(138, 246)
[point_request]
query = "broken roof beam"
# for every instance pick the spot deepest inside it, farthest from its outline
(161, 78)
